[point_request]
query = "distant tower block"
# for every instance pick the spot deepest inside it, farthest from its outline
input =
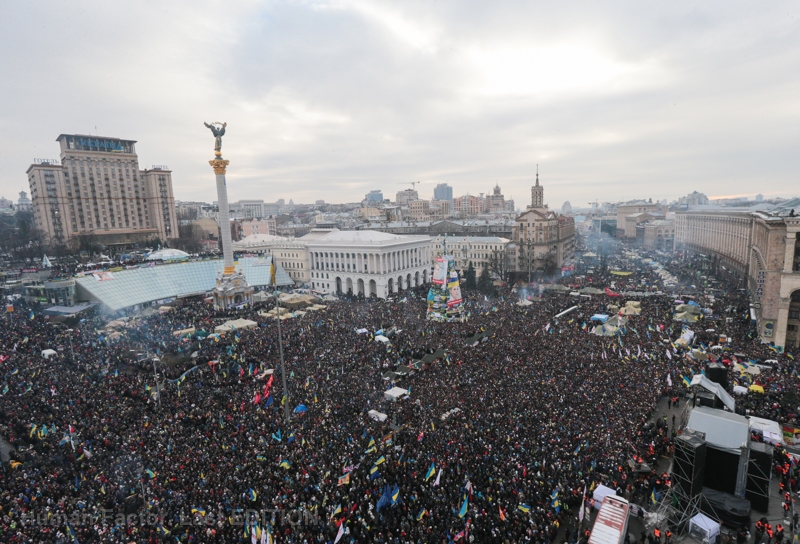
(232, 289)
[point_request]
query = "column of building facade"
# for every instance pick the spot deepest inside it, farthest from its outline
(788, 256)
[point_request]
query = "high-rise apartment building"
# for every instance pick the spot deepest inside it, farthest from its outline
(404, 197)
(443, 192)
(374, 197)
(98, 190)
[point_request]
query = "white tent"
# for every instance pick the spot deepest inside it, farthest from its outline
(703, 528)
(381, 338)
(47, 353)
(376, 415)
(395, 394)
(601, 492)
(235, 324)
(773, 434)
(739, 390)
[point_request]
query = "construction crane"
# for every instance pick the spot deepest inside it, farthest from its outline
(412, 183)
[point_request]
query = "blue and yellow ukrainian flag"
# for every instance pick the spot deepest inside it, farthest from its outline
(464, 505)
(524, 507)
(252, 495)
(430, 473)
(198, 511)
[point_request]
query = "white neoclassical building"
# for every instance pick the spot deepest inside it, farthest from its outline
(367, 262)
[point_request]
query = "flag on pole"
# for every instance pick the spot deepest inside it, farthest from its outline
(463, 511)
(430, 473)
(340, 534)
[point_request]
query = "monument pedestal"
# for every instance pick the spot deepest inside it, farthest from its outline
(232, 289)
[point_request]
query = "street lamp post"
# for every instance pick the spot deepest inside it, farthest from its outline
(71, 349)
(155, 377)
(280, 348)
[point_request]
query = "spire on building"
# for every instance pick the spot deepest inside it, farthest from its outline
(537, 193)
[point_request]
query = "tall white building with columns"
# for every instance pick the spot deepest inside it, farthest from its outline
(368, 262)
(354, 262)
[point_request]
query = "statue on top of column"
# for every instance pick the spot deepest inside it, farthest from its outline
(218, 130)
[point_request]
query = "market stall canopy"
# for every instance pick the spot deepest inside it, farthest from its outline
(376, 415)
(604, 330)
(235, 324)
(689, 308)
(592, 291)
(602, 318)
(686, 317)
(47, 353)
(556, 287)
(699, 355)
(395, 394)
(381, 338)
(617, 321)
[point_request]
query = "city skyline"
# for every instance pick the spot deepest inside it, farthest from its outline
(329, 100)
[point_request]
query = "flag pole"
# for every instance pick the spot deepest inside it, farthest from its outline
(280, 338)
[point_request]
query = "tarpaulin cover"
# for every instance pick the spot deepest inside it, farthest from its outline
(729, 509)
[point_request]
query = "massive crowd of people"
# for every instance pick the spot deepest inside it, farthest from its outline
(547, 411)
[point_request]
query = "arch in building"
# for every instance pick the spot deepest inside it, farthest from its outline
(338, 284)
(400, 285)
(391, 285)
(373, 288)
(425, 276)
(349, 285)
(416, 279)
(408, 281)
(360, 287)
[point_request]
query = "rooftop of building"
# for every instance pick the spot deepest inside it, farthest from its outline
(126, 288)
(261, 239)
(372, 237)
(473, 239)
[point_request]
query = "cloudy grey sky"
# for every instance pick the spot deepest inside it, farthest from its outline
(328, 99)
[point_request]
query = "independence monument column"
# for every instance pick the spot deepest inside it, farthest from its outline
(232, 289)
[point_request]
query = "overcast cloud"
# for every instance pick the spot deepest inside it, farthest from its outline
(330, 99)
